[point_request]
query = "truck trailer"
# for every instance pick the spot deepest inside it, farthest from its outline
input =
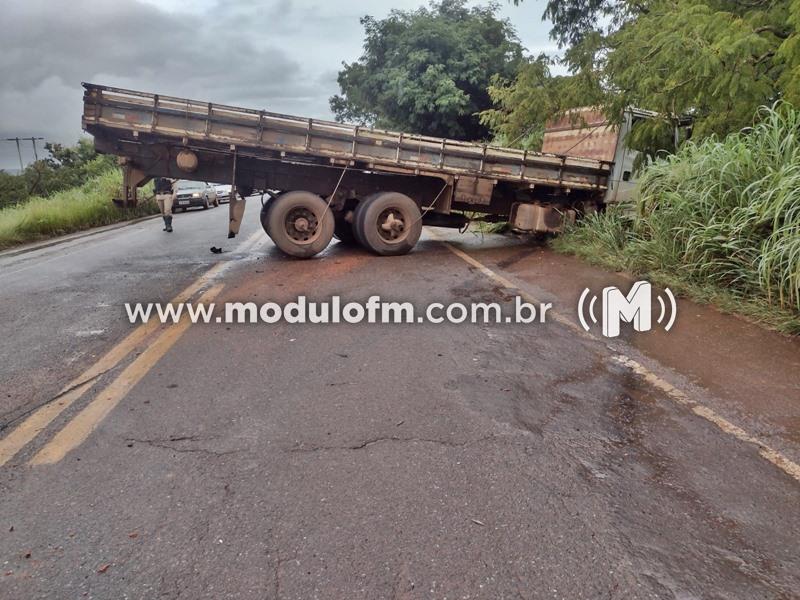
(363, 185)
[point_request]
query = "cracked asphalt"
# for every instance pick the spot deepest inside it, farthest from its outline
(385, 461)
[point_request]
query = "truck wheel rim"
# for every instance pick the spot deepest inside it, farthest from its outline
(301, 225)
(392, 226)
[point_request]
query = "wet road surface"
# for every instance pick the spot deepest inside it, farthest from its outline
(381, 461)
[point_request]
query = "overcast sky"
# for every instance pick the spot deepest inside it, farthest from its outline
(279, 55)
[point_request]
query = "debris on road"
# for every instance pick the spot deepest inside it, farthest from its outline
(481, 523)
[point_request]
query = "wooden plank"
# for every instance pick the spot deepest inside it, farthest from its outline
(166, 116)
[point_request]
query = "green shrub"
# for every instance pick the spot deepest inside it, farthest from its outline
(722, 215)
(66, 167)
(88, 205)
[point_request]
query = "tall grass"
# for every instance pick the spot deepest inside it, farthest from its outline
(718, 215)
(88, 205)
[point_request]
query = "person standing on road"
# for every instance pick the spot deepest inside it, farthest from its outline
(165, 196)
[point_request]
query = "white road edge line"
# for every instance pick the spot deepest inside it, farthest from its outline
(767, 452)
(788, 466)
(71, 237)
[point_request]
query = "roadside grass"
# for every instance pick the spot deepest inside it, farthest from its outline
(68, 211)
(719, 222)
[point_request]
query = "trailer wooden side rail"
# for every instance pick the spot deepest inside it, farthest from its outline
(434, 179)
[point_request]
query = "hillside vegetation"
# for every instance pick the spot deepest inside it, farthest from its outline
(67, 211)
(63, 167)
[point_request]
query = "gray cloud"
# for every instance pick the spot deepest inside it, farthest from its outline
(281, 55)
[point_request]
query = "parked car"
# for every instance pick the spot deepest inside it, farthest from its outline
(190, 194)
(223, 192)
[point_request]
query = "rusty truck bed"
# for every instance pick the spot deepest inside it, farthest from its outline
(129, 113)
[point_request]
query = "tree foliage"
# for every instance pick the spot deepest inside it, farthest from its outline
(522, 107)
(715, 60)
(573, 20)
(428, 70)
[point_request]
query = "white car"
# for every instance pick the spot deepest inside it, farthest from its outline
(189, 194)
(223, 192)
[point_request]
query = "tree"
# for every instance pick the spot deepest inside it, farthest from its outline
(574, 20)
(523, 106)
(715, 60)
(13, 189)
(428, 70)
(66, 157)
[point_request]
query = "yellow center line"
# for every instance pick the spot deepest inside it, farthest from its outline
(770, 454)
(43, 416)
(76, 431)
(38, 420)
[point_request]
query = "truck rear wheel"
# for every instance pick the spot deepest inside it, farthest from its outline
(300, 224)
(265, 214)
(388, 223)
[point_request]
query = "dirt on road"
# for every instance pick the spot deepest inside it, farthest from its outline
(376, 460)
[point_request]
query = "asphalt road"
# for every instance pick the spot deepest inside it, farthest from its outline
(380, 461)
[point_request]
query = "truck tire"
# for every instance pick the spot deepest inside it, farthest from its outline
(344, 231)
(300, 224)
(388, 223)
(265, 214)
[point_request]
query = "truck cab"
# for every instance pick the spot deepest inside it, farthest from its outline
(586, 132)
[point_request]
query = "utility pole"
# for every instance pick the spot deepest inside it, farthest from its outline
(33, 141)
(19, 150)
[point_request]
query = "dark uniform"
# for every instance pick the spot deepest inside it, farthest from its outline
(165, 196)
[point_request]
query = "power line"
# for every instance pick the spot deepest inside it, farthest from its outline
(33, 141)
(19, 150)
